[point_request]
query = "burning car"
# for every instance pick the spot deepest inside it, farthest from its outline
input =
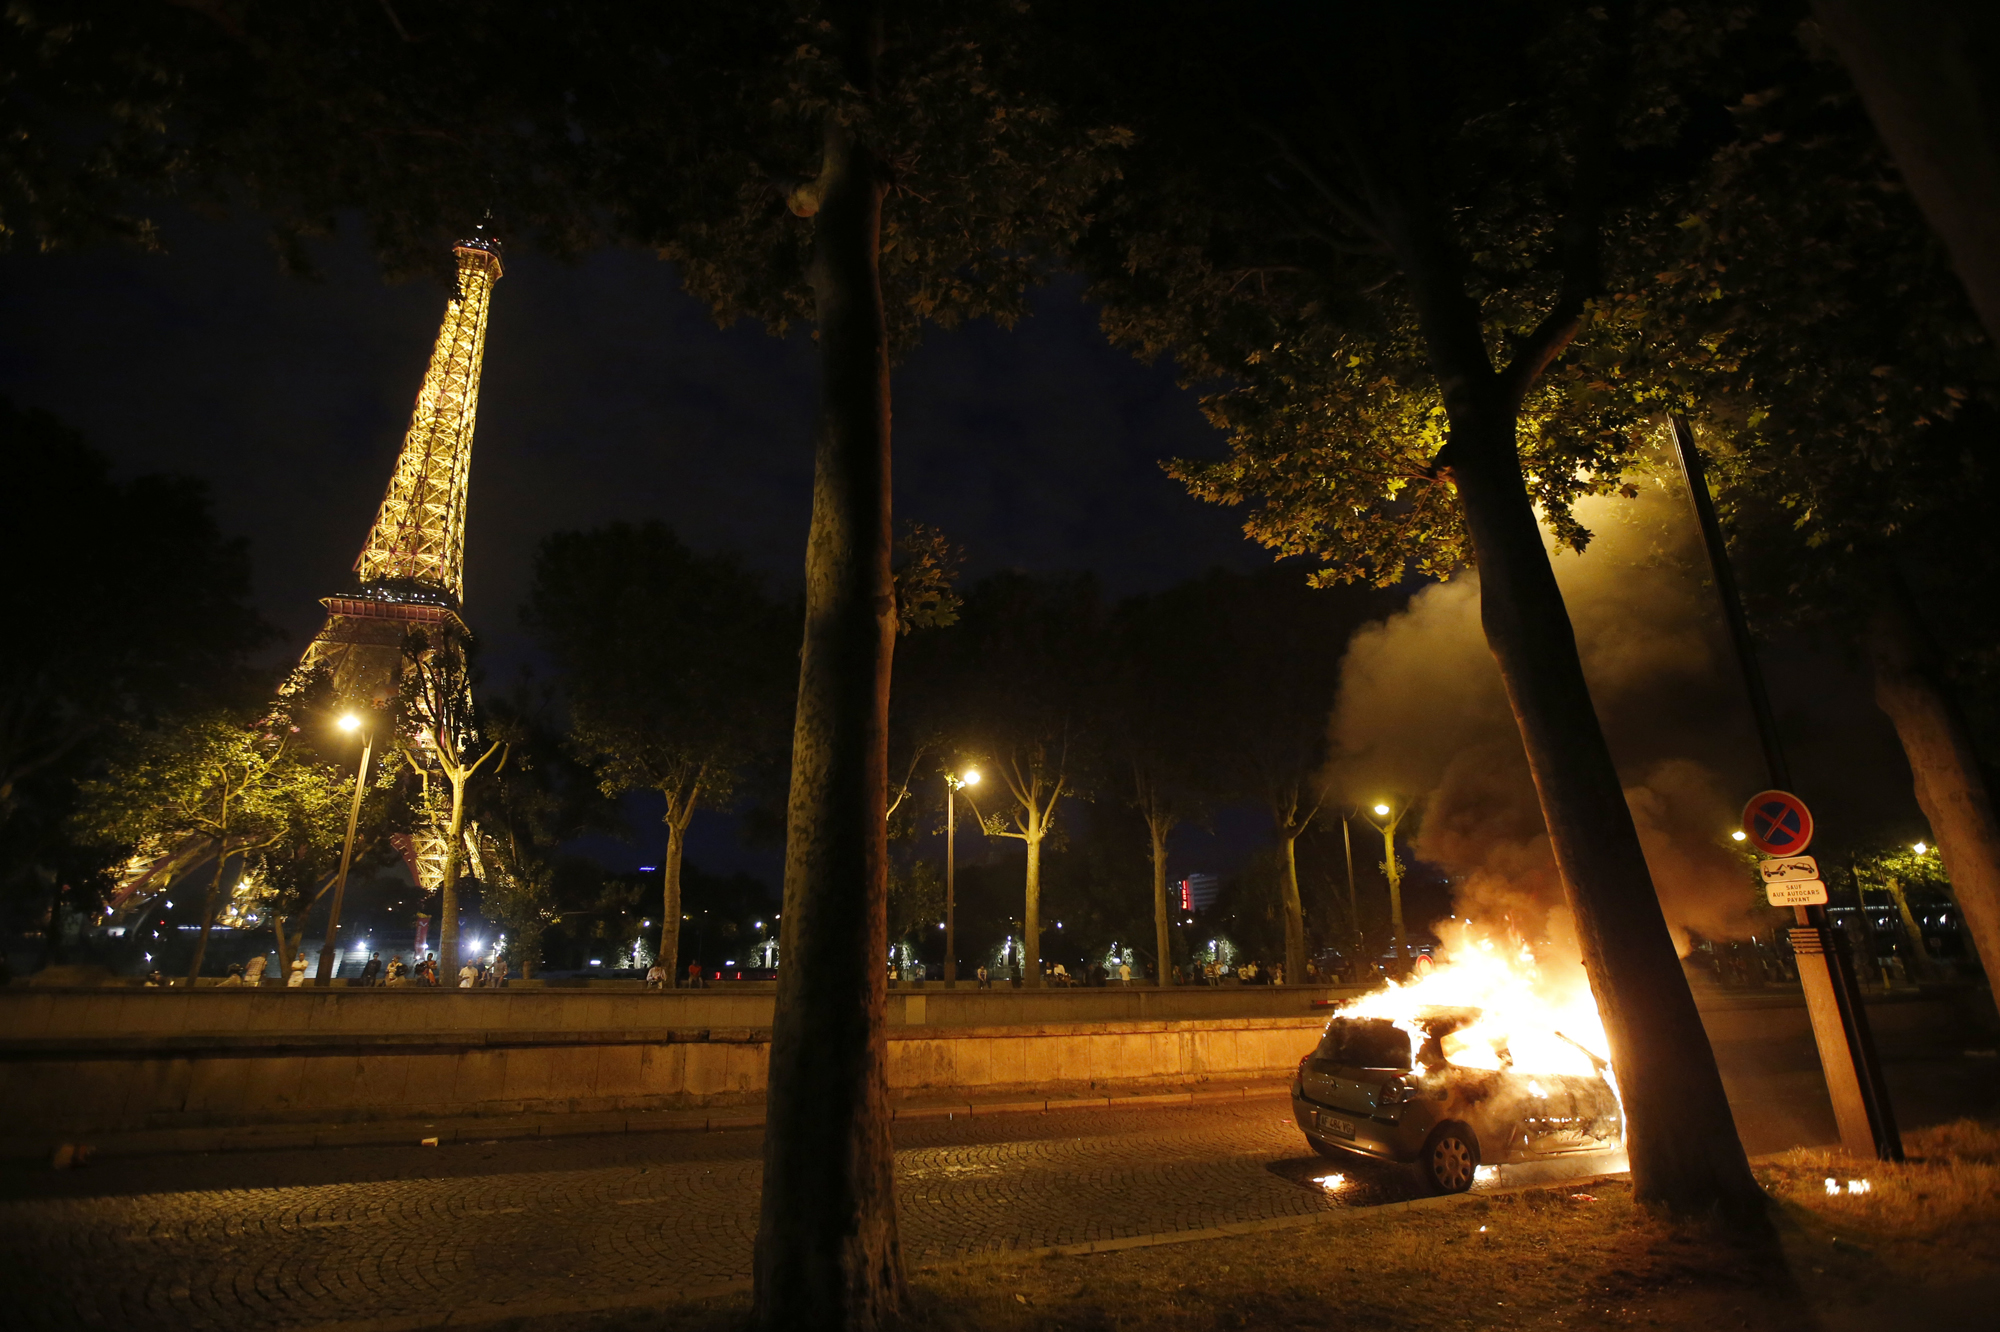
(1446, 1088)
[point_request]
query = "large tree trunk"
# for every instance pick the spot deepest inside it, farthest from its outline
(1684, 1147)
(52, 940)
(454, 851)
(1929, 73)
(1031, 923)
(1163, 957)
(1911, 930)
(210, 904)
(1295, 916)
(670, 925)
(1910, 687)
(827, 1251)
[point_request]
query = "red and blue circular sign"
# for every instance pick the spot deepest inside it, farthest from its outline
(1778, 823)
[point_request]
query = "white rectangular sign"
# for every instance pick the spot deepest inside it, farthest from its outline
(1791, 869)
(1798, 892)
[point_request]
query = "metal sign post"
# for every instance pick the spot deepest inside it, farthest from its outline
(1779, 824)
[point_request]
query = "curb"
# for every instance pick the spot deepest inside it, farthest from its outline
(1332, 1216)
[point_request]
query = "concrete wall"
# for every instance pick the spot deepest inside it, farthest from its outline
(106, 1061)
(120, 1011)
(86, 1062)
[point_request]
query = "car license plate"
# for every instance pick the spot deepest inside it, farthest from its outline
(1338, 1127)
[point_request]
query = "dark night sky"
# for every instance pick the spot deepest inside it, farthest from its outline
(608, 394)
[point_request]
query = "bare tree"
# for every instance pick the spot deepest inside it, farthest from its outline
(441, 738)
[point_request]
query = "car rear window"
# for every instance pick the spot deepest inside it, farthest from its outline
(1365, 1043)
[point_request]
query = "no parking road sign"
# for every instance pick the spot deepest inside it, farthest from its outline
(1778, 823)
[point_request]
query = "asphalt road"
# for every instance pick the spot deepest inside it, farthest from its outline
(385, 1238)
(373, 1236)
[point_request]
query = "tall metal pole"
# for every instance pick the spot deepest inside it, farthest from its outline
(1854, 1081)
(329, 952)
(950, 884)
(1353, 898)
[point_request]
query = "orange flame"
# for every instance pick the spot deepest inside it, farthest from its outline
(1535, 1010)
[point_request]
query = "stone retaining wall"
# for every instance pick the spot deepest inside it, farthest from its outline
(93, 1062)
(54, 1013)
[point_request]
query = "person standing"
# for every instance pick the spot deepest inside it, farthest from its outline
(254, 973)
(372, 973)
(694, 975)
(985, 982)
(298, 976)
(1125, 973)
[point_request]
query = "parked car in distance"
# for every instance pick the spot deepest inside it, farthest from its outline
(1364, 1090)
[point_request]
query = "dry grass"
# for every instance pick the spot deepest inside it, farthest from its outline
(1543, 1259)
(1932, 1217)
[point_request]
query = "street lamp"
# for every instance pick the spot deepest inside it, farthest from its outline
(1391, 818)
(328, 954)
(970, 777)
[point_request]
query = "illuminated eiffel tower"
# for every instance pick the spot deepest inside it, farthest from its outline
(411, 570)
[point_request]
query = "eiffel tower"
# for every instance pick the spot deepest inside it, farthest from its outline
(411, 570)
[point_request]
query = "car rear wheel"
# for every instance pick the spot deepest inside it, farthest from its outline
(1449, 1161)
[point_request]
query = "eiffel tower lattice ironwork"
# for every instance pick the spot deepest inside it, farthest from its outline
(411, 570)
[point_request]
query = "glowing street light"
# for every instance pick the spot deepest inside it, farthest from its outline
(329, 955)
(1394, 872)
(1920, 848)
(1738, 835)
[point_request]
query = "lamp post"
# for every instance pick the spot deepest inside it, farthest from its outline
(1387, 827)
(329, 951)
(970, 777)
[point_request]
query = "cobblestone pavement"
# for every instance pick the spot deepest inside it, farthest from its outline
(375, 1235)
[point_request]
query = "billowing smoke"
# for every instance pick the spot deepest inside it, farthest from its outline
(1422, 714)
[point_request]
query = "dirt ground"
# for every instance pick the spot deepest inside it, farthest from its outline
(1880, 1247)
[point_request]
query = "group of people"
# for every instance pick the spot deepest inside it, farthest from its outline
(1094, 976)
(421, 973)
(473, 975)
(659, 978)
(1216, 973)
